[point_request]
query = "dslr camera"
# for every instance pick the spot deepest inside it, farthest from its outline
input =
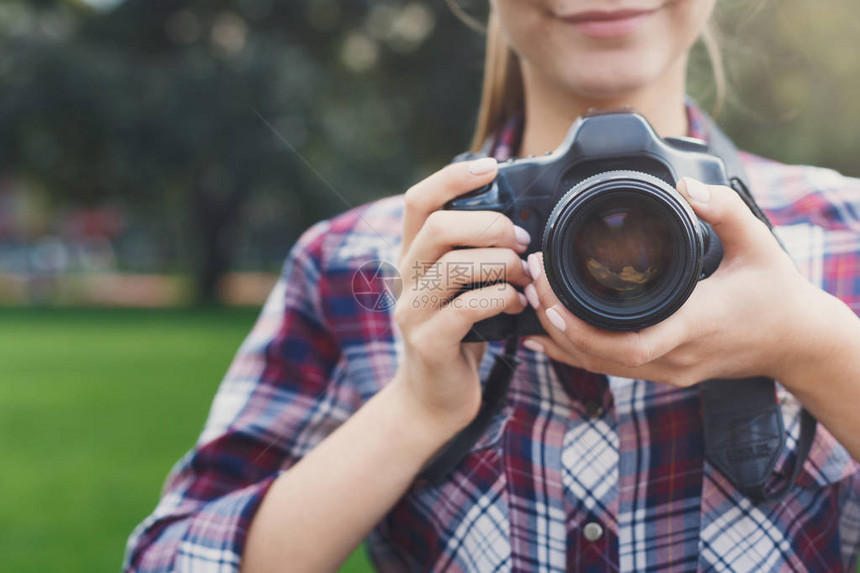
(622, 248)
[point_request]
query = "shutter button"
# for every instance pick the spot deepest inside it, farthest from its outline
(592, 531)
(593, 409)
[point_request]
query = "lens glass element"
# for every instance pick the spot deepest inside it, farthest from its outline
(622, 248)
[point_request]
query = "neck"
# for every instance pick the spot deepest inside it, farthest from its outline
(550, 110)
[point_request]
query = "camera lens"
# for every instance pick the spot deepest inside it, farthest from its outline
(623, 250)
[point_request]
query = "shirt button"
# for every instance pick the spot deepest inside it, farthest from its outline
(593, 409)
(592, 531)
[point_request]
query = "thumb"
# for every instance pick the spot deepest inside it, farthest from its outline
(725, 211)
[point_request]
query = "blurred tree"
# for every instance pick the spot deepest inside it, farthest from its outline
(205, 105)
(793, 79)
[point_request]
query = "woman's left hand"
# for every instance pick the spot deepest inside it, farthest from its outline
(755, 316)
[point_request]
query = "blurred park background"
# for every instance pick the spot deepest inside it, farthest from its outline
(159, 157)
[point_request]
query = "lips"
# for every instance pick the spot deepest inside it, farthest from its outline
(608, 15)
(609, 23)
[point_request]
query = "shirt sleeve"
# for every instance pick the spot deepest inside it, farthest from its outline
(273, 406)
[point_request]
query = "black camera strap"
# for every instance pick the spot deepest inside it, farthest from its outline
(741, 418)
(742, 423)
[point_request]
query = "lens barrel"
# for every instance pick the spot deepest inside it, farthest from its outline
(623, 250)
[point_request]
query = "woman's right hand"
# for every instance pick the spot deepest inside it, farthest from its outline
(439, 374)
(310, 517)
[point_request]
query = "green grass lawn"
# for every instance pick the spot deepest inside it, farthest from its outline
(95, 407)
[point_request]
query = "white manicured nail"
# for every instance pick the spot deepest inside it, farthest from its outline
(534, 266)
(532, 295)
(556, 319)
(697, 191)
(533, 345)
(483, 165)
(523, 237)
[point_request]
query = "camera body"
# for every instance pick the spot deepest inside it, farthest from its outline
(622, 248)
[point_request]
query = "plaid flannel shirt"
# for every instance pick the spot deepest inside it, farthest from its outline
(578, 472)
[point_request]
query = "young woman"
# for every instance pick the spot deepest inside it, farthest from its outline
(596, 461)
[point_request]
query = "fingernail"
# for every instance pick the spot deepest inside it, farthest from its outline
(556, 319)
(533, 345)
(534, 266)
(526, 269)
(523, 237)
(482, 166)
(523, 300)
(696, 190)
(532, 295)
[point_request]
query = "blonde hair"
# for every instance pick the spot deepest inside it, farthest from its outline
(502, 93)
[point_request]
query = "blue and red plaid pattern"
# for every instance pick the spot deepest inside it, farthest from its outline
(577, 473)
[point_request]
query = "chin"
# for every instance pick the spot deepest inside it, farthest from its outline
(608, 79)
